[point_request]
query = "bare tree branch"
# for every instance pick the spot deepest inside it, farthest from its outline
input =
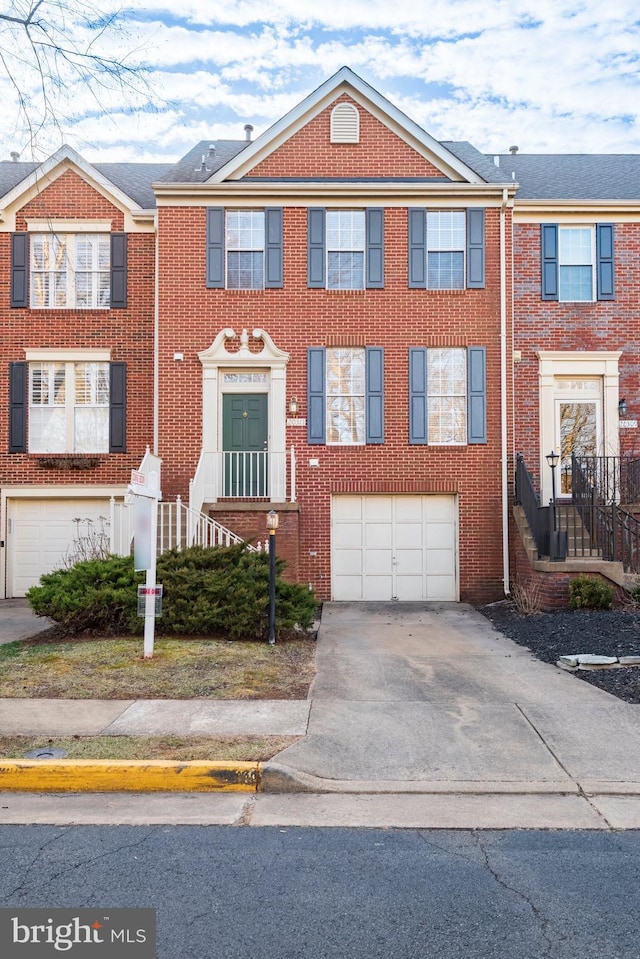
(53, 53)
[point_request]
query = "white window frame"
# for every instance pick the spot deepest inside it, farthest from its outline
(347, 399)
(69, 359)
(352, 249)
(243, 249)
(555, 368)
(42, 296)
(563, 230)
(437, 245)
(436, 392)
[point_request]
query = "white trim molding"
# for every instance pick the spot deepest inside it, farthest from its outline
(67, 356)
(576, 364)
(216, 360)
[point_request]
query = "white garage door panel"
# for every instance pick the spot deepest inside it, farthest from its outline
(403, 547)
(41, 533)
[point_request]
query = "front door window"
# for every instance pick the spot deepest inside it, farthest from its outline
(244, 444)
(579, 434)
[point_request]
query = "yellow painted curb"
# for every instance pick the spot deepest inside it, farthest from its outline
(128, 775)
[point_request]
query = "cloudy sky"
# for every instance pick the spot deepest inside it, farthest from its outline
(550, 75)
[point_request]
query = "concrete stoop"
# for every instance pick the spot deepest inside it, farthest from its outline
(580, 565)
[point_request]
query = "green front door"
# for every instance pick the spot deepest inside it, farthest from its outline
(244, 443)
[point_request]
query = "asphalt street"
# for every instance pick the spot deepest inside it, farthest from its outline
(287, 892)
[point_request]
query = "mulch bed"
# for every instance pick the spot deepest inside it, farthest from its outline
(565, 632)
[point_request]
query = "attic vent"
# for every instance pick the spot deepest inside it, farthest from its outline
(345, 124)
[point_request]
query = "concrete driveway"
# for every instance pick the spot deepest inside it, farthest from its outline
(17, 621)
(410, 693)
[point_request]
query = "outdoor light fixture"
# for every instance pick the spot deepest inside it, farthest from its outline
(272, 525)
(552, 459)
(293, 405)
(622, 407)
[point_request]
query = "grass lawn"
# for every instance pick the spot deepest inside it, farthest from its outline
(115, 668)
(226, 748)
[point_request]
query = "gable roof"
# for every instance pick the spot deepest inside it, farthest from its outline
(345, 80)
(128, 183)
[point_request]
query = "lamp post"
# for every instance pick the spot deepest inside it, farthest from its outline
(552, 460)
(272, 525)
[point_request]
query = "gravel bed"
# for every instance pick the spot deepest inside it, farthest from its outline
(565, 632)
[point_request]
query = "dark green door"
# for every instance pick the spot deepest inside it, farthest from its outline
(244, 442)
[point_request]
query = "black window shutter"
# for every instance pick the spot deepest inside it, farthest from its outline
(477, 394)
(374, 357)
(604, 248)
(119, 271)
(475, 248)
(418, 395)
(549, 242)
(375, 248)
(316, 360)
(18, 375)
(315, 248)
(117, 407)
(417, 249)
(20, 269)
(273, 248)
(215, 247)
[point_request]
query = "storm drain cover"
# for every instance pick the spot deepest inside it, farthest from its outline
(46, 752)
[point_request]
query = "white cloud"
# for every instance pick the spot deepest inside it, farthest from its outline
(551, 75)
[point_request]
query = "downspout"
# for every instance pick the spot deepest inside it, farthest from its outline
(503, 393)
(156, 344)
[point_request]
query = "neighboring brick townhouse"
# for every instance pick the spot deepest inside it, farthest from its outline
(320, 322)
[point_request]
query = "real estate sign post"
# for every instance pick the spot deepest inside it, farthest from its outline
(145, 488)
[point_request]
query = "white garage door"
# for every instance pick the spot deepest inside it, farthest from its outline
(394, 547)
(40, 534)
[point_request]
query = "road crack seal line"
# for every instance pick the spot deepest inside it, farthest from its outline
(581, 793)
(537, 913)
(30, 867)
(104, 855)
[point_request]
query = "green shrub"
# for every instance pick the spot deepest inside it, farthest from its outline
(588, 592)
(224, 590)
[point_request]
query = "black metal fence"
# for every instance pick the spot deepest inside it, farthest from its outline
(614, 479)
(588, 526)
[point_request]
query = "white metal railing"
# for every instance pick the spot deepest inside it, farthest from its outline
(180, 526)
(243, 475)
(120, 527)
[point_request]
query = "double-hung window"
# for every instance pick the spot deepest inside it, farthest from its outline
(64, 270)
(68, 407)
(61, 402)
(70, 271)
(345, 249)
(446, 238)
(446, 249)
(577, 262)
(345, 395)
(244, 249)
(447, 396)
